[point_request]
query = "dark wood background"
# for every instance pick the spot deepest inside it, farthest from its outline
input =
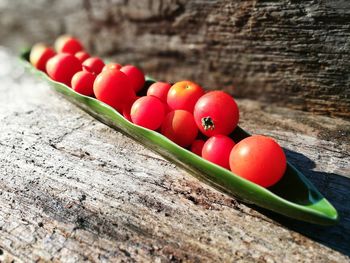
(292, 53)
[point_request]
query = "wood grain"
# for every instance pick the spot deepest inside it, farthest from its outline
(72, 189)
(292, 53)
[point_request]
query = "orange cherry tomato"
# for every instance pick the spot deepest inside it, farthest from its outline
(180, 127)
(183, 95)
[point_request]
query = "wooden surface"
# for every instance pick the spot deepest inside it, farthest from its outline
(72, 189)
(294, 53)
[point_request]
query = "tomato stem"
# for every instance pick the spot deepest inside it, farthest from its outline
(208, 123)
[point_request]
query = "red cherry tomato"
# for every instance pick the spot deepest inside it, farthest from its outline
(180, 127)
(217, 149)
(136, 76)
(39, 55)
(258, 159)
(62, 67)
(159, 90)
(197, 147)
(112, 66)
(148, 112)
(126, 112)
(183, 95)
(127, 109)
(68, 44)
(83, 82)
(216, 113)
(82, 56)
(113, 88)
(93, 65)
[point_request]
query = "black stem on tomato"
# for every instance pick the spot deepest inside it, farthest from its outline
(208, 123)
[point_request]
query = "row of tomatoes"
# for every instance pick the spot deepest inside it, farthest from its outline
(183, 112)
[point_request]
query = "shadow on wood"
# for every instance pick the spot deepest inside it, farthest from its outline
(336, 189)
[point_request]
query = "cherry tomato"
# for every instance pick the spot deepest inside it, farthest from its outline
(159, 90)
(113, 88)
(258, 159)
(82, 56)
(197, 147)
(112, 66)
(68, 44)
(148, 112)
(183, 95)
(62, 67)
(83, 82)
(127, 109)
(126, 112)
(217, 149)
(93, 65)
(136, 76)
(39, 55)
(180, 127)
(216, 113)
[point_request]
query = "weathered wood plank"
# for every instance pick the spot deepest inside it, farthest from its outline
(73, 189)
(294, 53)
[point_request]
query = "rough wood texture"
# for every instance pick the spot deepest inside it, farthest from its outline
(294, 53)
(72, 189)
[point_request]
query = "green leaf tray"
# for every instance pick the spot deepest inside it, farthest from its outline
(294, 196)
